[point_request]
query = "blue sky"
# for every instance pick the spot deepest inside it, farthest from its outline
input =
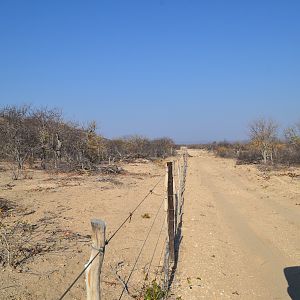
(192, 70)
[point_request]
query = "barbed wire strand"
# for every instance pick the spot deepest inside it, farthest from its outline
(144, 243)
(80, 274)
(111, 237)
(131, 213)
(155, 248)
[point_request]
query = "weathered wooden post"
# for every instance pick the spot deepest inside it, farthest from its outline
(175, 197)
(167, 254)
(179, 182)
(171, 227)
(178, 191)
(93, 272)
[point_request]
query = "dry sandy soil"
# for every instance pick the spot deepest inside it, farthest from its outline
(240, 231)
(59, 208)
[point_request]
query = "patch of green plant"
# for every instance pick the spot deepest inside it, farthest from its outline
(154, 292)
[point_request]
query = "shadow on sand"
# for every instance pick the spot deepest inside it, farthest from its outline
(292, 275)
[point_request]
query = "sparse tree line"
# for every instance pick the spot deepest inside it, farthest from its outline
(41, 137)
(264, 145)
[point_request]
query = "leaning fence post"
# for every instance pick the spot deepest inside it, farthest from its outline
(171, 227)
(93, 272)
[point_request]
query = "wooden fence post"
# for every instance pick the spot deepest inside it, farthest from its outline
(166, 268)
(167, 254)
(93, 272)
(175, 197)
(171, 227)
(179, 176)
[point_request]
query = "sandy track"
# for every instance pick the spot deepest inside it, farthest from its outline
(240, 233)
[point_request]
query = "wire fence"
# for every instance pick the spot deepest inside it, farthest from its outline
(164, 274)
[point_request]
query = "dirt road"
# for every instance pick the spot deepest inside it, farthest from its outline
(240, 233)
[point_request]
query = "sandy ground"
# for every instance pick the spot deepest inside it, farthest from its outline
(240, 233)
(66, 203)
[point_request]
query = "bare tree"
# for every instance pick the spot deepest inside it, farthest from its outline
(17, 136)
(263, 134)
(292, 135)
(47, 123)
(95, 143)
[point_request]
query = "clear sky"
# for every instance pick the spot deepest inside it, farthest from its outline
(192, 70)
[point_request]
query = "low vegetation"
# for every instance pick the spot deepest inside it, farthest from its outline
(43, 139)
(264, 145)
(154, 292)
(21, 241)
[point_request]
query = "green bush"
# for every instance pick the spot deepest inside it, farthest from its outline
(154, 292)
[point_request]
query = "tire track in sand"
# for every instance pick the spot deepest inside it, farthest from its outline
(221, 244)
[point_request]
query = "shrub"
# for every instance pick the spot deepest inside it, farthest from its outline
(154, 292)
(31, 135)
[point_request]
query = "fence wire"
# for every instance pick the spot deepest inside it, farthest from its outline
(165, 245)
(141, 250)
(111, 237)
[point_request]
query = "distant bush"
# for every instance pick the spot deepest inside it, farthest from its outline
(139, 147)
(291, 152)
(248, 156)
(264, 146)
(225, 152)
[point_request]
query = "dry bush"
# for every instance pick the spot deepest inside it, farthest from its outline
(249, 156)
(6, 207)
(17, 136)
(134, 147)
(196, 146)
(223, 149)
(21, 241)
(244, 153)
(29, 135)
(162, 147)
(263, 135)
(264, 146)
(291, 152)
(225, 152)
(226, 149)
